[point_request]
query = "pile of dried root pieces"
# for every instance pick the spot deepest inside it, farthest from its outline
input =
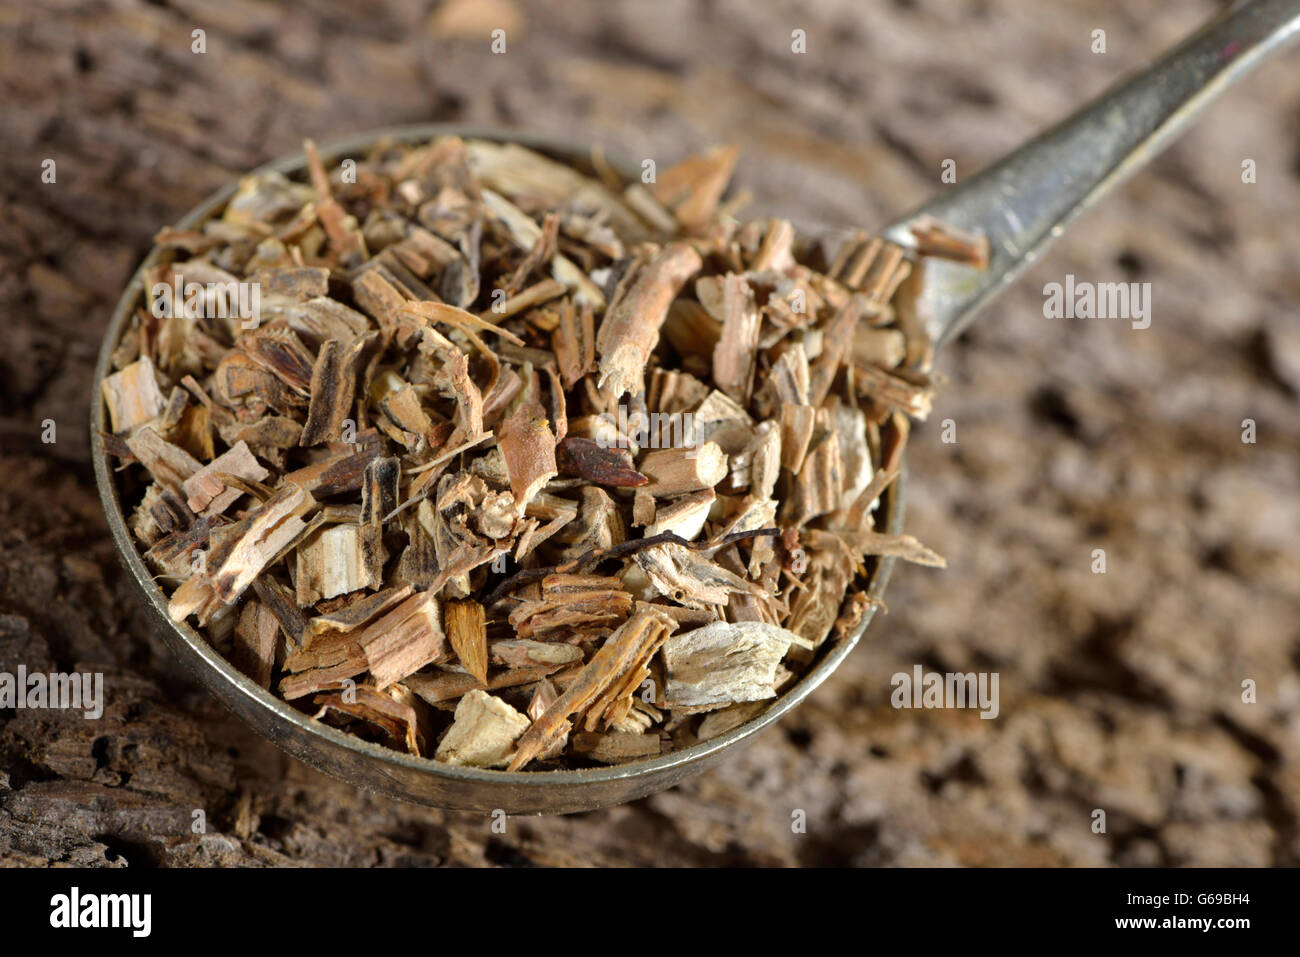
(518, 466)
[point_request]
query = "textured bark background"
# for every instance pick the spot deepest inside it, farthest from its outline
(1119, 691)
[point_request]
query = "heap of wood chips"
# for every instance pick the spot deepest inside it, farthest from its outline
(521, 467)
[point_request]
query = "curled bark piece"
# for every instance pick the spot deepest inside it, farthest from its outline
(631, 326)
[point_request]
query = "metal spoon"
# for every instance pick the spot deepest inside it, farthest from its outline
(1025, 201)
(1022, 204)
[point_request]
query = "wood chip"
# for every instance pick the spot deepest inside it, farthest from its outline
(483, 734)
(255, 639)
(132, 396)
(467, 632)
(723, 663)
(631, 327)
(528, 445)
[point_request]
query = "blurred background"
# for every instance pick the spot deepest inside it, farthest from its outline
(1119, 691)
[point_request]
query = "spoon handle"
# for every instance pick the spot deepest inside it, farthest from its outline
(1027, 199)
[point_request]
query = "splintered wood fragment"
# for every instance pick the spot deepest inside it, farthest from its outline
(517, 171)
(684, 516)
(723, 663)
(161, 512)
(333, 387)
(461, 319)
(905, 547)
(788, 378)
(541, 253)
(835, 344)
(342, 230)
(404, 640)
(646, 628)
(526, 653)
(337, 560)
(379, 490)
(574, 344)
(208, 493)
(453, 380)
(886, 274)
(765, 460)
(692, 188)
(886, 348)
(631, 326)
(194, 596)
(819, 486)
(174, 554)
(132, 395)
(857, 470)
(566, 587)
(260, 537)
(616, 747)
(528, 446)
(170, 465)
(775, 253)
(854, 259)
(643, 508)
(686, 577)
(544, 695)
(797, 423)
(395, 632)
(403, 408)
(301, 283)
(534, 295)
(265, 436)
(893, 390)
(380, 300)
(734, 355)
(676, 471)
(856, 515)
(437, 689)
(691, 331)
(341, 472)
(327, 665)
(562, 615)
(719, 722)
(722, 420)
(395, 712)
(255, 638)
(672, 391)
(354, 615)
(643, 202)
(281, 353)
(596, 462)
(467, 631)
(597, 526)
(825, 579)
(282, 604)
(248, 387)
(941, 240)
(483, 734)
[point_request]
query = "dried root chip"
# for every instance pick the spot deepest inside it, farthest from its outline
(483, 734)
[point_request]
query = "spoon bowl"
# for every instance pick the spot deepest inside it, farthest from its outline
(373, 766)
